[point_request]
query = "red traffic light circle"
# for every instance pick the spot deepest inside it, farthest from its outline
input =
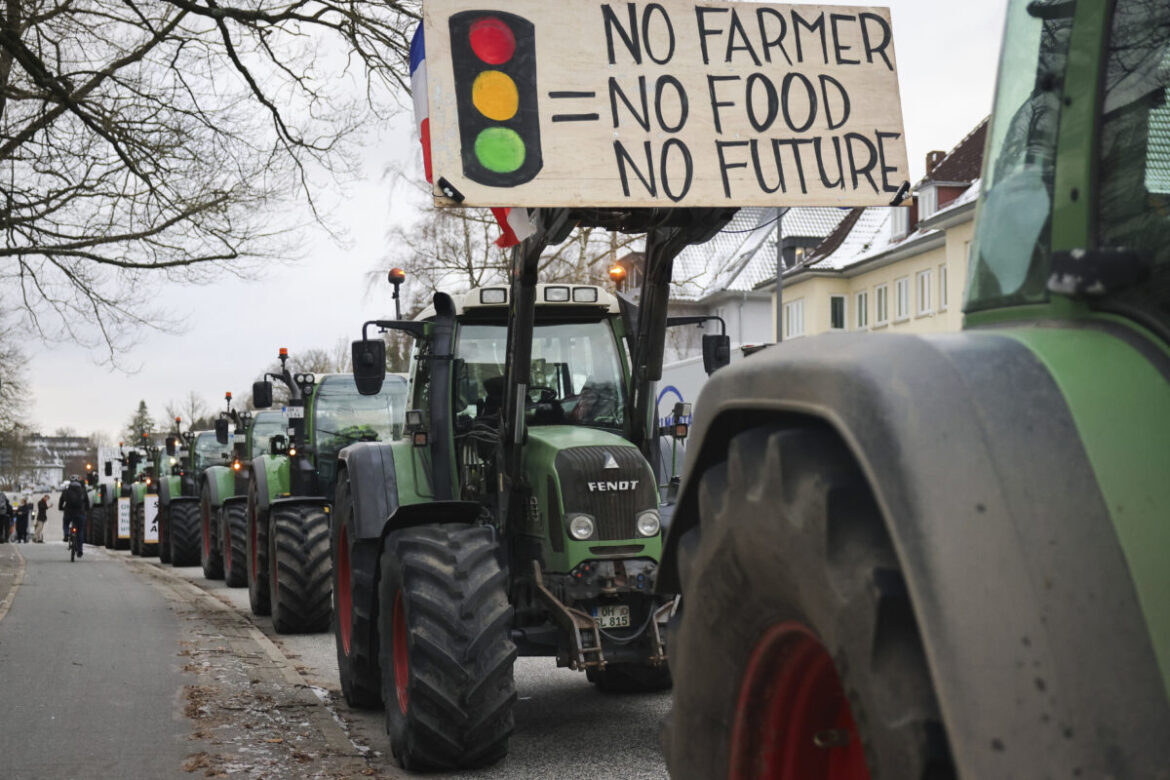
(492, 40)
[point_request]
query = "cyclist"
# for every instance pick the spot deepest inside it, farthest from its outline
(74, 503)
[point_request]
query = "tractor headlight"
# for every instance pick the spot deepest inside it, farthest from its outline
(648, 523)
(581, 527)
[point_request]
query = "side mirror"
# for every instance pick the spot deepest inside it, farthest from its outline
(221, 430)
(262, 394)
(109, 469)
(171, 445)
(369, 365)
(716, 352)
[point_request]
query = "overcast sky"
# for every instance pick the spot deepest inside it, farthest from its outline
(947, 53)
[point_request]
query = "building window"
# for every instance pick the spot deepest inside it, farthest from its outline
(899, 222)
(837, 312)
(901, 298)
(927, 201)
(882, 305)
(862, 305)
(794, 319)
(942, 287)
(923, 279)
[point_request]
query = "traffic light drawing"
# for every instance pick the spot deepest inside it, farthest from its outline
(494, 58)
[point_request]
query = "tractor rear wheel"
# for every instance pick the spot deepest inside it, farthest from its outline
(164, 537)
(184, 533)
(111, 524)
(211, 557)
(796, 653)
(444, 647)
(300, 582)
(137, 521)
(355, 571)
(256, 561)
(233, 530)
(631, 678)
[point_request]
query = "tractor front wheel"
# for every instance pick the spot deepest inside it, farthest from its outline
(256, 549)
(137, 529)
(184, 533)
(211, 557)
(796, 653)
(355, 570)
(233, 530)
(444, 648)
(300, 582)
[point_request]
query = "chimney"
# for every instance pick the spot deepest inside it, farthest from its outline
(932, 161)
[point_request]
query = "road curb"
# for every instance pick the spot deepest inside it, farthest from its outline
(10, 583)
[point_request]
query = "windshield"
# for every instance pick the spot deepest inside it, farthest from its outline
(576, 374)
(1134, 157)
(209, 452)
(1010, 258)
(265, 425)
(342, 415)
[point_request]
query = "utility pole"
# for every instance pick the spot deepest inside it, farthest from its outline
(780, 212)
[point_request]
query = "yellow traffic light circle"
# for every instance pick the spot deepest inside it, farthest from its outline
(500, 149)
(494, 94)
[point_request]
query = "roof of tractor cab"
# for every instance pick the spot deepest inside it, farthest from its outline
(587, 298)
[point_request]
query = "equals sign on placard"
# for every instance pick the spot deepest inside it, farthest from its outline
(569, 95)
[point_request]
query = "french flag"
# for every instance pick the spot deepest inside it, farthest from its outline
(514, 222)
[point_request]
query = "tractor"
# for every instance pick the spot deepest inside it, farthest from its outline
(95, 529)
(187, 455)
(118, 508)
(949, 556)
(227, 486)
(521, 513)
(144, 504)
(292, 486)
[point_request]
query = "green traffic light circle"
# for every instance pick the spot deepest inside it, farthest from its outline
(500, 149)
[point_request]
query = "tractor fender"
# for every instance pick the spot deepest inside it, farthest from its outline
(235, 500)
(165, 490)
(271, 475)
(1035, 640)
(373, 485)
(221, 483)
(299, 501)
(137, 492)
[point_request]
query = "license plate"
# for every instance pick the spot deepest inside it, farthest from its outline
(617, 616)
(295, 412)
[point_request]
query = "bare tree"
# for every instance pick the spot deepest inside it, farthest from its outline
(162, 138)
(192, 410)
(13, 388)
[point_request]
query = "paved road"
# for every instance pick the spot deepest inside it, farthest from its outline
(85, 649)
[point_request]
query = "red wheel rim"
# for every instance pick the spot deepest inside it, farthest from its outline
(344, 595)
(792, 719)
(401, 657)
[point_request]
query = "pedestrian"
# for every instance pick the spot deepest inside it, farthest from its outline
(5, 518)
(42, 518)
(22, 513)
(75, 503)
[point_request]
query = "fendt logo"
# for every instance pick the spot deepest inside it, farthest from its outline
(613, 487)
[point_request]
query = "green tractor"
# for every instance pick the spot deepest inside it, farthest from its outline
(144, 505)
(292, 486)
(949, 556)
(188, 455)
(118, 503)
(95, 528)
(521, 514)
(226, 486)
(168, 467)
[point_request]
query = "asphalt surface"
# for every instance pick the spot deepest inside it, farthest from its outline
(89, 684)
(123, 667)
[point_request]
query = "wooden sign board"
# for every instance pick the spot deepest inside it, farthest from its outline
(672, 103)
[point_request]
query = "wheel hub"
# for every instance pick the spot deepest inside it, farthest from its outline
(792, 719)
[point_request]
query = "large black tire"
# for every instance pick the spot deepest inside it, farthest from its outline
(233, 531)
(137, 516)
(355, 606)
(111, 525)
(631, 678)
(164, 534)
(300, 580)
(184, 533)
(210, 553)
(791, 562)
(95, 526)
(444, 647)
(256, 545)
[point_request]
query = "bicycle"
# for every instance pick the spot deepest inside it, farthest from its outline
(74, 542)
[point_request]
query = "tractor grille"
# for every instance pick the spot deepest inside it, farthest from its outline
(613, 510)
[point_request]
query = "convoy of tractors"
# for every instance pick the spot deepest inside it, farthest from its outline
(886, 556)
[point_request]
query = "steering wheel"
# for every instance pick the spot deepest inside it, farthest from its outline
(547, 394)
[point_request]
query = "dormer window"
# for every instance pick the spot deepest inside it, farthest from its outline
(927, 201)
(899, 222)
